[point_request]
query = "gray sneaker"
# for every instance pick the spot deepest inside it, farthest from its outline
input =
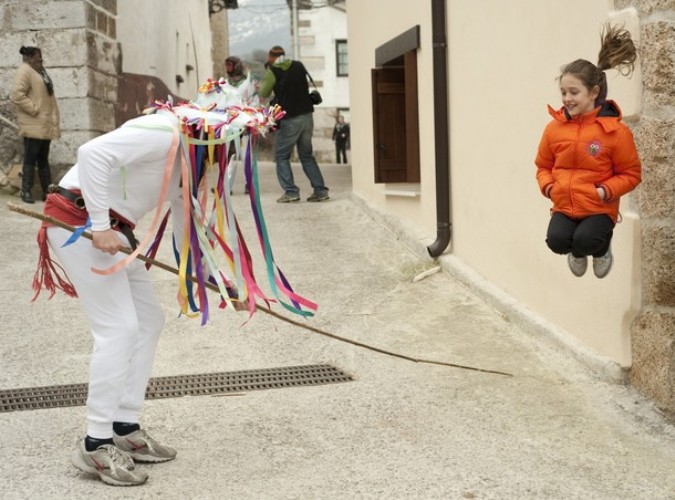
(289, 198)
(112, 465)
(142, 448)
(602, 265)
(578, 265)
(318, 197)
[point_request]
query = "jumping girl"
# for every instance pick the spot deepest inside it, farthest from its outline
(587, 158)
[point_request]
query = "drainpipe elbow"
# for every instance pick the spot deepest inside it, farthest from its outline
(443, 235)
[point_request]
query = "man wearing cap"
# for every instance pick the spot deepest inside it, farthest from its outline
(288, 80)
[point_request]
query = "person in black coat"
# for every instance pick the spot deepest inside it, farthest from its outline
(341, 138)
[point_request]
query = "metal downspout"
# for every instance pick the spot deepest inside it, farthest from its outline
(441, 128)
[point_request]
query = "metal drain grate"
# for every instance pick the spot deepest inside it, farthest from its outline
(60, 396)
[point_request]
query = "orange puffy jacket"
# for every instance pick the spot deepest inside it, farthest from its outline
(577, 155)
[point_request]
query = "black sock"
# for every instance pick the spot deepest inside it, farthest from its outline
(124, 428)
(90, 443)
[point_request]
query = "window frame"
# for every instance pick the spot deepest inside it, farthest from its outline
(341, 42)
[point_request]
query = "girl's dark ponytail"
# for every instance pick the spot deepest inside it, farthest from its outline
(617, 50)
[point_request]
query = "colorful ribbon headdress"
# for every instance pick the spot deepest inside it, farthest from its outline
(212, 135)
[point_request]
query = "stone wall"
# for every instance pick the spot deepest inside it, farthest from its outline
(77, 38)
(653, 331)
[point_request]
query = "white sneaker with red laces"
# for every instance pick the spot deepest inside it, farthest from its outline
(112, 465)
(142, 448)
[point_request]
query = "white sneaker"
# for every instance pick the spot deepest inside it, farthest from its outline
(111, 464)
(602, 265)
(142, 448)
(578, 265)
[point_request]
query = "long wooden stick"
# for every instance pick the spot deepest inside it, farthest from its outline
(211, 286)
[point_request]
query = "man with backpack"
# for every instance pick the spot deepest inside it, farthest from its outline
(288, 80)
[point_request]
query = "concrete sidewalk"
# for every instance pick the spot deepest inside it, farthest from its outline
(400, 430)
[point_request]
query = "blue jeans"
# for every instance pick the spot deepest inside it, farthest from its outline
(297, 131)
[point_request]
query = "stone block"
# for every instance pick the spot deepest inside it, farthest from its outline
(653, 370)
(657, 191)
(82, 113)
(11, 145)
(6, 82)
(70, 82)
(63, 152)
(14, 175)
(74, 114)
(658, 65)
(112, 28)
(102, 116)
(104, 55)
(658, 263)
(646, 7)
(654, 138)
(10, 43)
(37, 16)
(90, 16)
(109, 6)
(655, 101)
(101, 22)
(103, 86)
(53, 44)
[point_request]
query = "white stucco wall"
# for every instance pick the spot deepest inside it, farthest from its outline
(504, 58)
(171, 34)
(317, 52)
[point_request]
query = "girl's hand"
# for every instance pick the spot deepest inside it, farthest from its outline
(601, 193)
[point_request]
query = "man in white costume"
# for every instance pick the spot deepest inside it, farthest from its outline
(119, 177)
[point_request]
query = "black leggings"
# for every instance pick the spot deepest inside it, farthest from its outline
(36, 152)
(589, 236)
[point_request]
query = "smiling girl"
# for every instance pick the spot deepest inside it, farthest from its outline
(587, 158)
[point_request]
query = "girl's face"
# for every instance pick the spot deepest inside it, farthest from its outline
(576, 98)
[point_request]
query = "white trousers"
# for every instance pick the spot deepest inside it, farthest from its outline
(126, 320)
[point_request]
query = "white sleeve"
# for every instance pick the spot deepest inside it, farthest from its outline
(125, 146)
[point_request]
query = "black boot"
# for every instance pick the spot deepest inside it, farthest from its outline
(27, 179)
(27, 197)
(45, 175)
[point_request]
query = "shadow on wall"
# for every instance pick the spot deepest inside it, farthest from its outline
(135, 92)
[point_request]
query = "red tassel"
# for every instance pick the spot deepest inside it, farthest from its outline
(47, 275)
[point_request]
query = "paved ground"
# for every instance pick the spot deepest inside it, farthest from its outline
(400, 430)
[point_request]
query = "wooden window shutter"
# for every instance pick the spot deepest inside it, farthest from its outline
(395, 122)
